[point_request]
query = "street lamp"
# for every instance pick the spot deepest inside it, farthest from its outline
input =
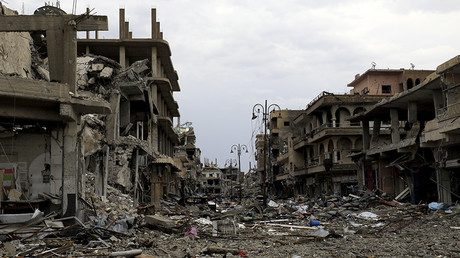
(238, 148)
(265, 113)
(230, 163)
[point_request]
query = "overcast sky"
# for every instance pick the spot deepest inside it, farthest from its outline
(232, 54)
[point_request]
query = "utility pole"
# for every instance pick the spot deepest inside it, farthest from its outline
(265, 113)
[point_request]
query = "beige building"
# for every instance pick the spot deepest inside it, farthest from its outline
(326, 140)
(386, 81)
(411, 140)
(312, 149)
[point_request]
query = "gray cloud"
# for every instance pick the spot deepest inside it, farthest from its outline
(231, 54)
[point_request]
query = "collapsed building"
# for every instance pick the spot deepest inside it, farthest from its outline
(188, 156)
(232, 180)
(41, 111)
(410, 140)
(74, 109)
(212, 180)
(140, 131)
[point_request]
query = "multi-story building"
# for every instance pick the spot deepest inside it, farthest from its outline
(326, 139)
(41, 112)
(189, 156)
(212, 181)
(232, 180)
(313, 148)
(144, 107)
(283, 161)
(417, 155)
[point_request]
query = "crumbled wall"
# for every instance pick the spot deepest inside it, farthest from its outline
(15, 56)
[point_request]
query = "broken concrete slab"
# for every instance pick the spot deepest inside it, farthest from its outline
(160, 221)
(106, 72)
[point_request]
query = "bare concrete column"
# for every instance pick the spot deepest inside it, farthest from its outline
(156, 187)
(335, 152)
(136, 178)
(438, 100)
(412, 112)
(158, 30)
(324, 114)
(70, 57)
(113, 118)
(159, 68)
(87, 32)
(122, 23)
(126, 28)
(366, 136)
(444, 189)
(69, 189)
(334, 119)
(376, 129)
(153, 23)
(122, 56)
(395, 137)
(154, 62)
(106, 171)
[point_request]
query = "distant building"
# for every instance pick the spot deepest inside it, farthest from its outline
(212, 180)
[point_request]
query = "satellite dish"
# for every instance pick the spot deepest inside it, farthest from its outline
(373, 65)
(412, 66)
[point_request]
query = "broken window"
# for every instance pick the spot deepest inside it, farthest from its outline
(410, 83)
(46, 174)
(386, 89)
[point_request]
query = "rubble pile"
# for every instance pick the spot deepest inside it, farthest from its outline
(328, 226)
(95, 73)
(115, 212)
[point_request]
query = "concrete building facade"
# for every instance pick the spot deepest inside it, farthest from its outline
(416, 156)
(146, 108)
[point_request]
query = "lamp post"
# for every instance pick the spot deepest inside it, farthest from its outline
(238, 148)
(265, 113)
(230, 163)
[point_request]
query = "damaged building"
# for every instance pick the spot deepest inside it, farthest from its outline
(410, 140)
(188, 156)
(41, 112)
(139, 132)
(312, 150)
(86, 112)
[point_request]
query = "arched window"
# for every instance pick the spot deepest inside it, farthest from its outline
(410, 83)
(344, 146)
(417, 81)
(342, 115)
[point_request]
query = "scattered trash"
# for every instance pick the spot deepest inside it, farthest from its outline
(314, 222)
(436, 205)
(368, 215)
(320, 232)
(192, 232)
(203, 221)
(272, 204)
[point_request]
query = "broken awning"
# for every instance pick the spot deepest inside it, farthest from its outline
(167, 161)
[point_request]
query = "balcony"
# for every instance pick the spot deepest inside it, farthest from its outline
(341, 162)
(166, 124)
(329, 129)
